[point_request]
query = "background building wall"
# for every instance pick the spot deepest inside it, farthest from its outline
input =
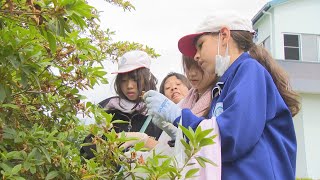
(311, 124)
(295, 16)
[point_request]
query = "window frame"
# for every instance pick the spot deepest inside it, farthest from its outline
(299, 46)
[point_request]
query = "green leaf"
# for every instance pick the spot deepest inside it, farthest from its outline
(120, 122)
(32, 153)
(204, 159)
(24, 79)
(52, 175)
(5, 167)
(2, 93)
(13, 106)
(202, 134)
(13, 60)
(19, 178)
(52, 42)
(141, 170)
(200, 161)
(186, 132)
(205, 142)
(18, 139)
(33, 169)
(14, 155)
(185, 144)
(191, 172)
(138, 146)
(27, 165)
(46, 154)
(16, 169)
(78, 20)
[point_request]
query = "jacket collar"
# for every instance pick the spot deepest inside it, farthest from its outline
(219, 85)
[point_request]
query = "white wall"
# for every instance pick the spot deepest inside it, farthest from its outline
(295, 16)
(264, 28)
(311, 123)
(301, 165)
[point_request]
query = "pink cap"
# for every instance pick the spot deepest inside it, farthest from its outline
(214, 23)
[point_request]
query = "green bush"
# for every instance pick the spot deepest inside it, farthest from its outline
(49, 50)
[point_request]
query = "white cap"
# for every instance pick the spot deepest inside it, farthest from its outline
(133, 60)
(230, 19)
(214, 23)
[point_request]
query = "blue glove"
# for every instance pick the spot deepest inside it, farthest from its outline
(167, 127)
(159, 105)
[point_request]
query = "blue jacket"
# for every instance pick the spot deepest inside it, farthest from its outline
(256, 127)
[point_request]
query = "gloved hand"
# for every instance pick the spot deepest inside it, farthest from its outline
(169, 128)
(159, 105)
(138, 137)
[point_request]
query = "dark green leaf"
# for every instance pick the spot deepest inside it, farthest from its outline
(52, 42)
(46, 154)
(2, 93)
(14, 61)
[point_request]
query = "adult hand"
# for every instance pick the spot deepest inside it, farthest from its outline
(160, 105)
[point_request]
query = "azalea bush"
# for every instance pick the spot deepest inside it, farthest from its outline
(49, 50)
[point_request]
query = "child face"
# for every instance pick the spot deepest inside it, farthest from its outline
(207, 49)
(129, 87)
(174, 89)
(199, 79)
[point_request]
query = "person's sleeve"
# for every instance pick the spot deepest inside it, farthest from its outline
(189, 119)
(242, 122)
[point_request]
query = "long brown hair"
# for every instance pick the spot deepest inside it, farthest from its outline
(145, 81)
(244, 40)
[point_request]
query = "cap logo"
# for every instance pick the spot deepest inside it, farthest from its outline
(123, 61)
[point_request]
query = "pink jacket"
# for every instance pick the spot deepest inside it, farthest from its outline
(212, 152)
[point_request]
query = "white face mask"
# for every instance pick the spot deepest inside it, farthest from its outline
(222, 62)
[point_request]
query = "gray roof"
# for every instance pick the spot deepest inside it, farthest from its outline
(266, 7)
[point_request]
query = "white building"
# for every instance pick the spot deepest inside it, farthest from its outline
(290, 30)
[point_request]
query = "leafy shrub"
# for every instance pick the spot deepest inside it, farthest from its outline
(50, 50)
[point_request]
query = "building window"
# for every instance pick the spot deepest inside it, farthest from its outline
(309, 47)
(291, 47)
(305, 47)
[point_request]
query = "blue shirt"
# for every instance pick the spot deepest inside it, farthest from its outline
(256, 127)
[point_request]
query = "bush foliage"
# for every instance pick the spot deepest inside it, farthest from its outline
(49, 50)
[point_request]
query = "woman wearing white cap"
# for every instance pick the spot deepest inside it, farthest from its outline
(252, 104)
(133, 77)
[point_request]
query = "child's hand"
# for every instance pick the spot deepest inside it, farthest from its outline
(136, 138)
